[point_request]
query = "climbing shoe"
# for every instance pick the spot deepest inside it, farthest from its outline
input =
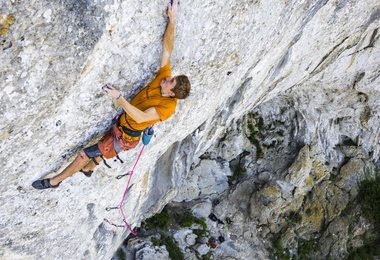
(87, 174)
(43, 184)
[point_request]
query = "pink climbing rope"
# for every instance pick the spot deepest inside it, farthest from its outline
(130, 173)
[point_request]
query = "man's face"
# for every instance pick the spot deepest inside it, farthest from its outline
(167, 84)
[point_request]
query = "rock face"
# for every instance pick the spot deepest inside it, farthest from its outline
(283, 116)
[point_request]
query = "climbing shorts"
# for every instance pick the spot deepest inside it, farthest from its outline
(112, 143)
(92, 151)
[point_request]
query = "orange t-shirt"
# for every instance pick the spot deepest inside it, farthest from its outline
(150, 96)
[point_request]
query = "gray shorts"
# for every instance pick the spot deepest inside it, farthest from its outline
(93, 151)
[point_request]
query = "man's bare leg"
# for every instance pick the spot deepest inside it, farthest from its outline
(80, 161)
(91, 165)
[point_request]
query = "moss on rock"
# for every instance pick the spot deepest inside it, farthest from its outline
(255, 124)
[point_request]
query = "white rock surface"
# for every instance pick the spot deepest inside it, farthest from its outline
(202, 210)
(152, 253)
(324, 54)
(202, 249)
(181, 236)
(191, 239)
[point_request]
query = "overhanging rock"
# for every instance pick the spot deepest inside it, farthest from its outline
(56, 56)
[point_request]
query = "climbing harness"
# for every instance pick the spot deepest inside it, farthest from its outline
(105, 162)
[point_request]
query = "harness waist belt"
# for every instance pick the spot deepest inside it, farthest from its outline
(128, 131)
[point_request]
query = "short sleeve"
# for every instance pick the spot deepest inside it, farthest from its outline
(166, 110)
(164, 72)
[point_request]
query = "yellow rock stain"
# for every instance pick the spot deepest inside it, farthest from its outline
(314, 214)
(5, 22)
(319, 171)
(5, 135)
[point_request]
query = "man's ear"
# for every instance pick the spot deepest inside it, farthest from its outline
(171, 93)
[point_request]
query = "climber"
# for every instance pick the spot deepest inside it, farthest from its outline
(155, 102)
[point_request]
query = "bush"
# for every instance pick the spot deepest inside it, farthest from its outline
(160, 220)
(369, 197)
(369, 200)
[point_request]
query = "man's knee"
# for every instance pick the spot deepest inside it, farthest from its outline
(98, 159)
(82, 157)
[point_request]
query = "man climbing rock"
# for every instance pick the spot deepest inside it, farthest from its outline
(154, 103)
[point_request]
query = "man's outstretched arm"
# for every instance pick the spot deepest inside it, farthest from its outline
(168, 42)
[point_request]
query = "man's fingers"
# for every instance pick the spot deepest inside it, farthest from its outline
(108, 88)
(174, 3)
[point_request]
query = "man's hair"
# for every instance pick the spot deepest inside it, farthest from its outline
(182, 87)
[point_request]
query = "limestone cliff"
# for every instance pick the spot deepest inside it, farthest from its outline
(311, 68)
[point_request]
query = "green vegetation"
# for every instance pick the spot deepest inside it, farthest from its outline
(257, 130)
(280, 132)
(369, 197)
(200, 233)
(306, 248)
(333, 177)
(207, 256)
(279, 251)
(120, 254)
(294, 216)
(347, 210)
(160, 220)
(183, 218)
(237, 166)
(171, 246)
(239, 172)
(155, 241)
(369, 200)
(255, 123)
(367, 252)
(186, 219)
